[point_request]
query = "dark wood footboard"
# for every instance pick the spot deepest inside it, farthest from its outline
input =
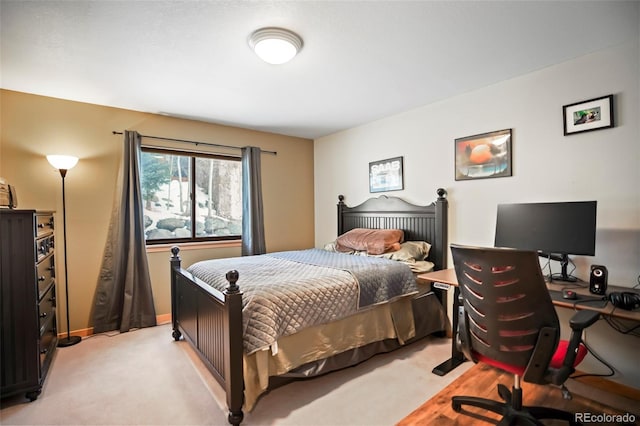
(211, 321)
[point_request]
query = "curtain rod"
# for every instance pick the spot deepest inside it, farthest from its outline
(194, 142)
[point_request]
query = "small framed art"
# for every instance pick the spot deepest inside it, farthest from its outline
(585, 116)
(386, 175)
(487, 155)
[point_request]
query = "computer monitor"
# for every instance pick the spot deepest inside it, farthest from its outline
(554, 230)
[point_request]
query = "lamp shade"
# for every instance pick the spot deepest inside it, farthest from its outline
(62, 162)
(275, 45)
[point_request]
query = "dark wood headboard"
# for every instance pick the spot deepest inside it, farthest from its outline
(419, 223)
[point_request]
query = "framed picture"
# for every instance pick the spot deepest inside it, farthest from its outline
(386, 175)
(594, 114)
(487, 155)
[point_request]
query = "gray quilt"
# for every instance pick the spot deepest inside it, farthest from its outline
(286, 292)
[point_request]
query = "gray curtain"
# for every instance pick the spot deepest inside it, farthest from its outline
(123, 298)
(252, 212)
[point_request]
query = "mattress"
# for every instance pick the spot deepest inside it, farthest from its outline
(286, 292)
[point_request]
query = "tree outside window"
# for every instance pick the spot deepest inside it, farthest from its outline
(181, 189)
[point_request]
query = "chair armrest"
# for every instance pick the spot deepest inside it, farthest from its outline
(578, 322)
(583, 319)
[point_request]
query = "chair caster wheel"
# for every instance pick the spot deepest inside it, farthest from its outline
(176, 335)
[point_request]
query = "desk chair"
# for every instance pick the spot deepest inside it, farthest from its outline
(506, 319)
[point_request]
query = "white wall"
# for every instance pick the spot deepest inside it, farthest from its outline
(602, 165)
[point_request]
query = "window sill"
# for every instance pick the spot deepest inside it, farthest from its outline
(160, 248)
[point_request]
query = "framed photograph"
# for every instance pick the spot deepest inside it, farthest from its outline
(487, 155)
(386, 175)
(594, 114)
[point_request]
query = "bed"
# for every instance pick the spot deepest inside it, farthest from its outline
(248, 363)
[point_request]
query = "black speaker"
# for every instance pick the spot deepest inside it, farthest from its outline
(598, 279)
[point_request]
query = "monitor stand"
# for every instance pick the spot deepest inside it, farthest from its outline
(564, 263)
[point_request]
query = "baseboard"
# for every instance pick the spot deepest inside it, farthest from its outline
(86, 332)
(163, 319)
(607, 385)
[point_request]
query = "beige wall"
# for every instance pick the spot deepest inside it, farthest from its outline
(34, 126)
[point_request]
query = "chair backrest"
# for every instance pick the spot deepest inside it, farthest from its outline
(507, 305)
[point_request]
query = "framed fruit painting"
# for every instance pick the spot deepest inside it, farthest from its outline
(487, 155)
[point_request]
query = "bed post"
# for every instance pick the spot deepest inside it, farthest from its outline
(340, 215)
(442, 206)
(175, 266)
(442, 242)
(233, 342)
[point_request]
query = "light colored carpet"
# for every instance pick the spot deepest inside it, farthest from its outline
(145, 378)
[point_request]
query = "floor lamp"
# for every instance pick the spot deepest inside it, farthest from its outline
(64, 163)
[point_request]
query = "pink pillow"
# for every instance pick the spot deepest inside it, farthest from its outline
(373, 241)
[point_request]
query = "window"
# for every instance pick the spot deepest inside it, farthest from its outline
(169, 180)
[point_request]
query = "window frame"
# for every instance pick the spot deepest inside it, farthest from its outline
(193, 155)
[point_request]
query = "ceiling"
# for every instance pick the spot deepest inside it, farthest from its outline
(361, 60)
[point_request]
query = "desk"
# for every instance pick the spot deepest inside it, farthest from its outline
(446, 278)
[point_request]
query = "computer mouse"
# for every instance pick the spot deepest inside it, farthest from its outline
(569, 294)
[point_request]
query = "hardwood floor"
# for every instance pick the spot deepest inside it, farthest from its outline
(482, 381)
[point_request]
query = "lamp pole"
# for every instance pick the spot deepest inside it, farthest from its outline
(63, 163)
(69, 340)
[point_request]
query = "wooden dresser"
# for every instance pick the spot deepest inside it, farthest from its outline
(27, 299)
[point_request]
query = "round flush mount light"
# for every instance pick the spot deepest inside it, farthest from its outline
(275, 45)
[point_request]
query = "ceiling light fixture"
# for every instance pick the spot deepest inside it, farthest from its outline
(275, 45)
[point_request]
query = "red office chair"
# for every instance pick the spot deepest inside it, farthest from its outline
(506, 319)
